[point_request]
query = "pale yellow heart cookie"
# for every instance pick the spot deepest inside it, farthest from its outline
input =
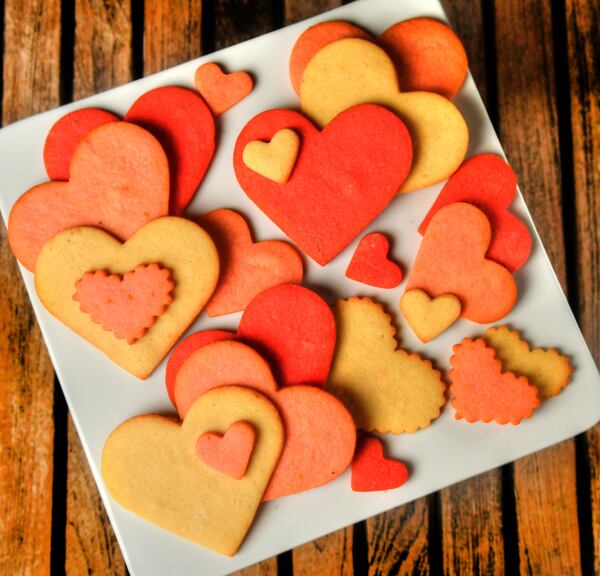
(274, 160)
(385, 388)
(548, 370)
(177, 244)
(151, 467)
(429, 317)
(356, 71)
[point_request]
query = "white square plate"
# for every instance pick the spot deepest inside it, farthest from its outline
(100, 395)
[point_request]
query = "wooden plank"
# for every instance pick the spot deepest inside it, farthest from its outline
(31, 85)
(546, 502)
(239, 20)
(472, 539)
(296, 10)
(583, 39)
(101, 60)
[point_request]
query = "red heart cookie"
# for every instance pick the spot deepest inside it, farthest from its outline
(320, 433)
(119, 182)
(372, 471)
(451, 260)
(220, 90)
(185, 127)
(126, 305)
(371, 265)
(488, 182)
(230, 452)
(483, 392)
(344, 175)
(65, 135)
(247, 268)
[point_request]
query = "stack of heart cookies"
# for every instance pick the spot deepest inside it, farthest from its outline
(302, 391)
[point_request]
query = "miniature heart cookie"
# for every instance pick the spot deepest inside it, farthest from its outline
(355, 71)
(150, 466)
(451, 260)
(323, 209)
(320, 433)
(372, 471)
(429, 317)
(179, 245)
(385, 388)
(371, 264)
(222, 91)
(119, 182)
(247, 268)
(274, 160)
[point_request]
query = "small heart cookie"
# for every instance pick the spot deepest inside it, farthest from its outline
(372, 471)
(220, 90)
(429, 317)
(274, 160)
(371, 264)
(150, 466)
(179, 245)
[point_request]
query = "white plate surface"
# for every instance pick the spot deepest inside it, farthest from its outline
(100, 395)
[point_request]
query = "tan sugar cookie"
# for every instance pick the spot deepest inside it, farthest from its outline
(276, 159)
(429, 317)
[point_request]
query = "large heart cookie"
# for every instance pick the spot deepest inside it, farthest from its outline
(320, 433)
(343, 178)
(151, 467)
(385, 388)
(355, 71)
(451, 260)
(179, 245)
(119, 182)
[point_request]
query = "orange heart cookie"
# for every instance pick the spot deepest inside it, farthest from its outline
(179, 245)
(429, 317)
(451, 260)
(119, 182)
(220, 90)
(371, 264)
(385, 388)
(151, 467)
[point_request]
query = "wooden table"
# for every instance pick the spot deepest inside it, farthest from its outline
(537, 65)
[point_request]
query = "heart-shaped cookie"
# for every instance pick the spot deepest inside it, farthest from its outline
(150, 466)
(119, 182)
(488, 182)
(429, 317)
(344, 175)
(354, 71)
(220, 90)
(274, 160)
(451, 260)
(320, 433)
(179, 245)
(482, 391)
(371, 264)
(247, 268)
(385, 388)
(372, 471)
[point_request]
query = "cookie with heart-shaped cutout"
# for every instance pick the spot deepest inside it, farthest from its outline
(344, 176)
(429, 317)
(371, 264)
(221, 91)
(151, 467)
(247, 267)
(119, 182)
(483, 391)
(452, 260)
(353, 71)
(488, 182)
(320, 433)
(385, 388)
(372, 471)
(179, 245)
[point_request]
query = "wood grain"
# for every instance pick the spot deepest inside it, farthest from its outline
(31, 84)
(583, 40)
(239, 20)
(101, 60)
(546, 499)
(296, 10)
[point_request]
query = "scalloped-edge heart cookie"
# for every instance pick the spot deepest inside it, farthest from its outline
(151, 467)
(247, 267)
(371, 263)
(222, 91)
(546, 369)
(483, 392)
(355, 71)
(177, 244)
(385, 388)
(429, 317)
(275, 159)
(372, 471)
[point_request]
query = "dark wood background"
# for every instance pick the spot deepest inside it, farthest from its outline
(537, 65)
